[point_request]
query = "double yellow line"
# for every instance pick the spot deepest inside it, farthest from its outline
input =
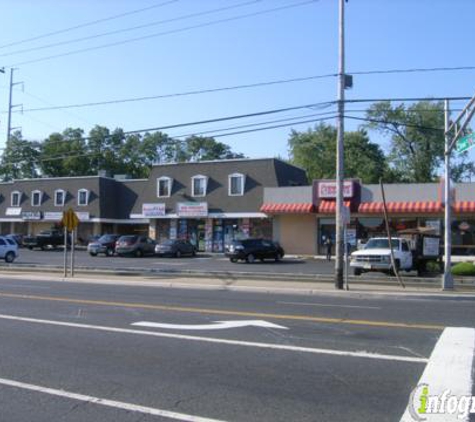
(371, 323)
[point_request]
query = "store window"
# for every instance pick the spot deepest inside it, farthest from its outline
(36, 197)
(164, 187)
(16, 199)
(199, 184)
(83, 197)
(59, 197)
(463, 237)
(236, 184)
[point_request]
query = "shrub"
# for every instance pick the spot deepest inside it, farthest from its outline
(463, 268)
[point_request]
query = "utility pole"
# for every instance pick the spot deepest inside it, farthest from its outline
(450, 142)
(339, 151)
(10, 105)
(447, 280)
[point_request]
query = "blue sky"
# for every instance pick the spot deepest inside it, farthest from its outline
(297, 40)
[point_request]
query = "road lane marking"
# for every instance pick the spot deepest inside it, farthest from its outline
(357, 354)
(449, 368)
(216, 325)
(328, 305)
(260, 315)
(105, 402)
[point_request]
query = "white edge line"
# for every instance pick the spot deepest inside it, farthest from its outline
(328, 305)
(357, 354)
(106, 402)
(449, 368)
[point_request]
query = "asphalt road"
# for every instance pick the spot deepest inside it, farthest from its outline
(70, 352)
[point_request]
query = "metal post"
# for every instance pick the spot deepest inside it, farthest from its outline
(339, 153)
(65, 252)
(447, 280)
(345, 238)
(73, 239)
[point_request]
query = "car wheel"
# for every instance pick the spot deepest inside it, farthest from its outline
(93, 253)
(193, 253)
(278, 257)
(233, 259)
(30, 248)
(139, 253)
(9, 257)
(109, 252)
(178, 254)
(250, 258)
(357, 271)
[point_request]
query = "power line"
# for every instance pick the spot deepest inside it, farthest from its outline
(133, 28)
(84, 25)
(368, 119)
(173, 31)
(413, 70)
(181, 94)
(406, 99)
(89, 154)
(319, 106)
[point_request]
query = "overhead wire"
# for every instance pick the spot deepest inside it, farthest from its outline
(86, 24)
(133, 28)
(159, 34)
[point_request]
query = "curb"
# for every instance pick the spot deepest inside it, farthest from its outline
(466, 283)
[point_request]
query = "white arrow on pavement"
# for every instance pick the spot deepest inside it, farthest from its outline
(217, 325)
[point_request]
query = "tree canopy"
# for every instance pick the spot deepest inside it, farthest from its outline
(70, 153)
(416, 140)
(315, 151)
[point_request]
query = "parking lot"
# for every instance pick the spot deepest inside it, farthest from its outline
(202, 262)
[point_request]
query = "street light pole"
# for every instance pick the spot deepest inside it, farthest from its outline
(339, 152)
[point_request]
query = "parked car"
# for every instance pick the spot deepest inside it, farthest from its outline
(175, 248)
(251, 249)
(135, 245)
(44, 239)
(104, 244)
(18, 238)
(8, 249)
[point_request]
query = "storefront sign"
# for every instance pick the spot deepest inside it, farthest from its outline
(83, 216)
(53, 216)
(13, 211)
(153, 210)
(31, 215)
(192, 209)
(328, 189)
(430, 246)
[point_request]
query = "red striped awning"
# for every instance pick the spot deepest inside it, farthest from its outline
(401, 207)
(328, 207)
(464, 206)
(291, 208)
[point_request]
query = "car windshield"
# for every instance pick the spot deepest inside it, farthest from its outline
(381, 244)
(107, 238)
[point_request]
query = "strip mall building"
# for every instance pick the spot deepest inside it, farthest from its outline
(211, 203)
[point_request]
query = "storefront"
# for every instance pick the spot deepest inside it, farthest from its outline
(408, 205)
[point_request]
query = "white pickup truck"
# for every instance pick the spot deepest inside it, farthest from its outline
(376, 256)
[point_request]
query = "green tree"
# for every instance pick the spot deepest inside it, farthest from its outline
(199, 148)
(315, 151)
(64, 154)
(20, 158)
(416, 140)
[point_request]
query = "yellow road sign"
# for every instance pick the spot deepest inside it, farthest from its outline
(70, 220)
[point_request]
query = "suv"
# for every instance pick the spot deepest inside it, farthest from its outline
(105, 244)
(8, 249)
(251, 249)
(135, 245)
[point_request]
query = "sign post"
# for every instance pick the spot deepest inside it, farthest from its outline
(346, 216)
(70, 222)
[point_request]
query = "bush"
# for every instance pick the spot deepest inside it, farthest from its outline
(464, 268)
